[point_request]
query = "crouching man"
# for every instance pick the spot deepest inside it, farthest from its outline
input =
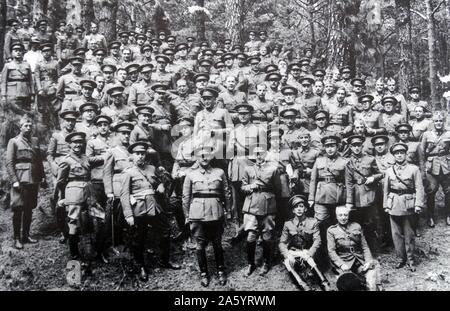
(349, 252)
(141, 209)
(299, 242)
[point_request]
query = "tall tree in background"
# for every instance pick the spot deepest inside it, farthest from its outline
(39, 9)
(3, 11)
(432, 50)
(343, 33)
(106, 15)
(404, 37)
(233, 12)
(160, 20)
(199, 20)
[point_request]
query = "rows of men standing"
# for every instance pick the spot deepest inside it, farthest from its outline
(119, 151)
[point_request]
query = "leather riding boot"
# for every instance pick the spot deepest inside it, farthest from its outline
(73, 246)
(26, 225)
(267, 255)
(431, 203)
(201, 259)
(218, 254)
(251, 248)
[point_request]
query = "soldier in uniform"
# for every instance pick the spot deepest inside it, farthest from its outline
(371, 118)
(94, 41)
(300, 241)
(117, 109)
(117, 159)
(230, 98)
(304, 158)
(358, 86)
(94, 67)
(389, 118)
(401, 107)
(328, 98)
(415, 101)
(341, 114)
(404, 196)
(435, 145)
(183, 105)
(308, 103)
(66, 44)
(132, 73)
(26, 172)
(141, 207)
(349, 252)
(252, 46)
(96, 149)
(161, 75)
(206, 204)
(68, 87)
(290, 137)
(261, 105)
(114, 54)
(361, 180)
(11, 37)
(255, 76)
(294, 75)
(242, 138)
(25, 33)
(259, 183)
(88, 112)
(321, 118)
(327, 185)
(17, 91)
(141, 92)
(419, 123)
(87, 88)
(46, 75)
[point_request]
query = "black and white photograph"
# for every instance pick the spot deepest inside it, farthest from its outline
(224, 146)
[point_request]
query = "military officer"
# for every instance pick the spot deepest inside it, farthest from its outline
(348, 250)
(114, 54)
(87, 88)
(435, 145)
(184, 104)
(404, 196)
(96, 151)
(419, 123)
(415, 101)
(260, 184)
(358, 86)
(371, 118)
(327, 186)
(161, 75)
(392, 91)
(300, 241)
(230, 98)
(321, 118)
(117, 108)
(68, 87)
(341, 114)
(263, 107)
(46, 75)
(389, 118)
(141, 92)
(88, 112)
(73, 182)
(361, 180)
(141, 185)
(294, 75)
(255, 75)
(207, 204)
(25, 170)
(117, 159)
(11, 37)
(252, 46)
(94, 40)
(290, 137)
(94, 67)
(16, 88)
(308, 103)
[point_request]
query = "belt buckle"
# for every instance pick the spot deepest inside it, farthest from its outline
(360, 181)
(352, 250)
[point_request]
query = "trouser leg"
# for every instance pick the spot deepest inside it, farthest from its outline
(201, 256)
(139, 233)
(251, 249)
(26, 223)
(17, 223)
(398, 237)
(409, 236)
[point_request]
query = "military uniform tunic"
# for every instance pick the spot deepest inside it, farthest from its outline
(117, 160)
(300, 234)
(140, 94)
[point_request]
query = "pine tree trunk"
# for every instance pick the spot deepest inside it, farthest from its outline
(199, 21)
(3, 17)
(233, 25)
(106, 15)
(73, 9)
(403, 26)
(39, 9)
(87, 13)
(432, 54)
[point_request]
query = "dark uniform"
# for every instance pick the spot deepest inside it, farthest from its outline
(24, 166)
(139, 200)
(347, 246)
(403, 197)
(206, 201)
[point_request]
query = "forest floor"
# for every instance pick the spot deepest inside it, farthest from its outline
(42, 266)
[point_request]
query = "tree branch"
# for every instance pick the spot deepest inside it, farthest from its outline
(420, 14)
(437, 8)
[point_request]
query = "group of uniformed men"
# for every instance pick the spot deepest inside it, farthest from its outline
(144, 128)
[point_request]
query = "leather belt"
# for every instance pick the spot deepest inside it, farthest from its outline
(330, 180)
(206, 195)
(17, 80)
(402, 192)
(23, 160)
(78, 179)
(186, 164)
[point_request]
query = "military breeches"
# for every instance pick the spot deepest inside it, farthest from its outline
(403, 236)
(139, 231)
(255, 225)
(432, 186)
(75, 221)
(326, 216)
(205, 232)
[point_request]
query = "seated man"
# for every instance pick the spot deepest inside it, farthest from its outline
(349, 252)
(300, 241)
